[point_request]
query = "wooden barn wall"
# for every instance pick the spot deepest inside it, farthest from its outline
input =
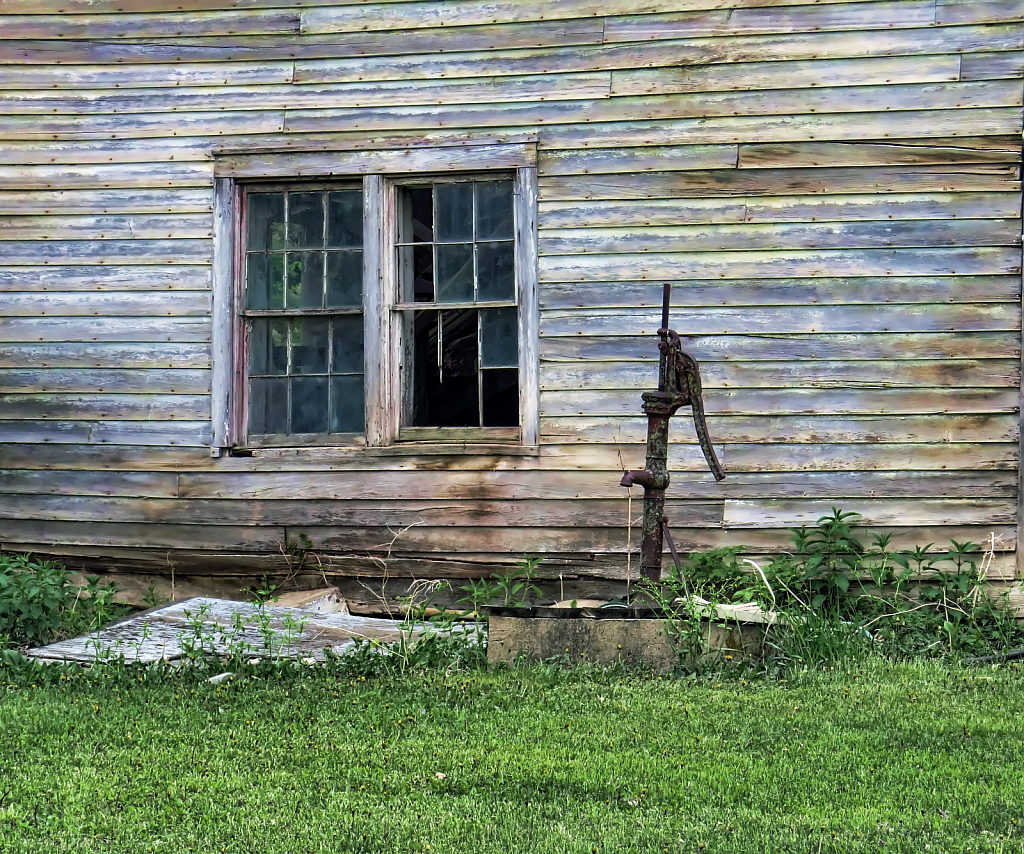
(833, 190)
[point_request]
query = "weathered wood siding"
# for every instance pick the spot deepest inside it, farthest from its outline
(833, 190)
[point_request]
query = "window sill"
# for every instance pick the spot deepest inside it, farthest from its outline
(339, 452)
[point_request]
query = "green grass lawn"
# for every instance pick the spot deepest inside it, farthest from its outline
(911, 759)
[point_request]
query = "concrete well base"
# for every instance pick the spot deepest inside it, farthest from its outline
(631, 641)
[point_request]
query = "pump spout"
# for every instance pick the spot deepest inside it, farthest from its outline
(642, 477)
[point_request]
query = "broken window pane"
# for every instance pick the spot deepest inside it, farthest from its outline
(500, 396)
(416, 272)
(445, 389)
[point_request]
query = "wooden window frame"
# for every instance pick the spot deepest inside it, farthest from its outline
(381, 172)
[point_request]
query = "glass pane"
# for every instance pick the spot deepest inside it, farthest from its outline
(494, 210)
(305, 220)
(347, 408)
(455, 272)
(345, 279)
(454, 211)
(345, 218)
(347, 345)
(416, 273)
(268, 346)
(500, 397)
(309, 345)
(264, 221)
(268, 406)
(499, 338)
(309, 404)
(496, 270)
(305, 279)
(444, 389)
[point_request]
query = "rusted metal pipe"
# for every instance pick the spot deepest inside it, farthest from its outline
(678, 385)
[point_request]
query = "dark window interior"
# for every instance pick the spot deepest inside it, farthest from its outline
(456, 262)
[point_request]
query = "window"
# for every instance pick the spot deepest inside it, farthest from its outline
(378, 306)
(457, 298)
(303, 314)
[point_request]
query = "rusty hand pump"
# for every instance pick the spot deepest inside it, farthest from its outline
(678, 386)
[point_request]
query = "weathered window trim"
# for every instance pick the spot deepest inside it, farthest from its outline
(381, 170)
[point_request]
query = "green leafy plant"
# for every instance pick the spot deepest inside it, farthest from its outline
(39, 603)
(511, 588)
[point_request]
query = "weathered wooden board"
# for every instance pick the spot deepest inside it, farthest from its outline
(225, 48)
(514, 485)
(31, 330)
(788, 320)
(67, 177)
(922, 511)
(789, 208)
(969, 12)
(103, 380)
(534, 87)
(796, 402)
(129, 484)
(626, 61)
(947, 373)
(906, 152)
(933, 96)
(144, 407)
(399, 513)
(56, 77)
(778, 345)
(986, 66)
(105, 303)
(993, 121)
(63, 353)
(143, 278)
(772, 429)
(784, 264)
(141, 125)
(61, 202)
(863, 290)
(142, 226)
(743, 182)
(172, 433)
(758, 236)
(359, 18)
(149, 25)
